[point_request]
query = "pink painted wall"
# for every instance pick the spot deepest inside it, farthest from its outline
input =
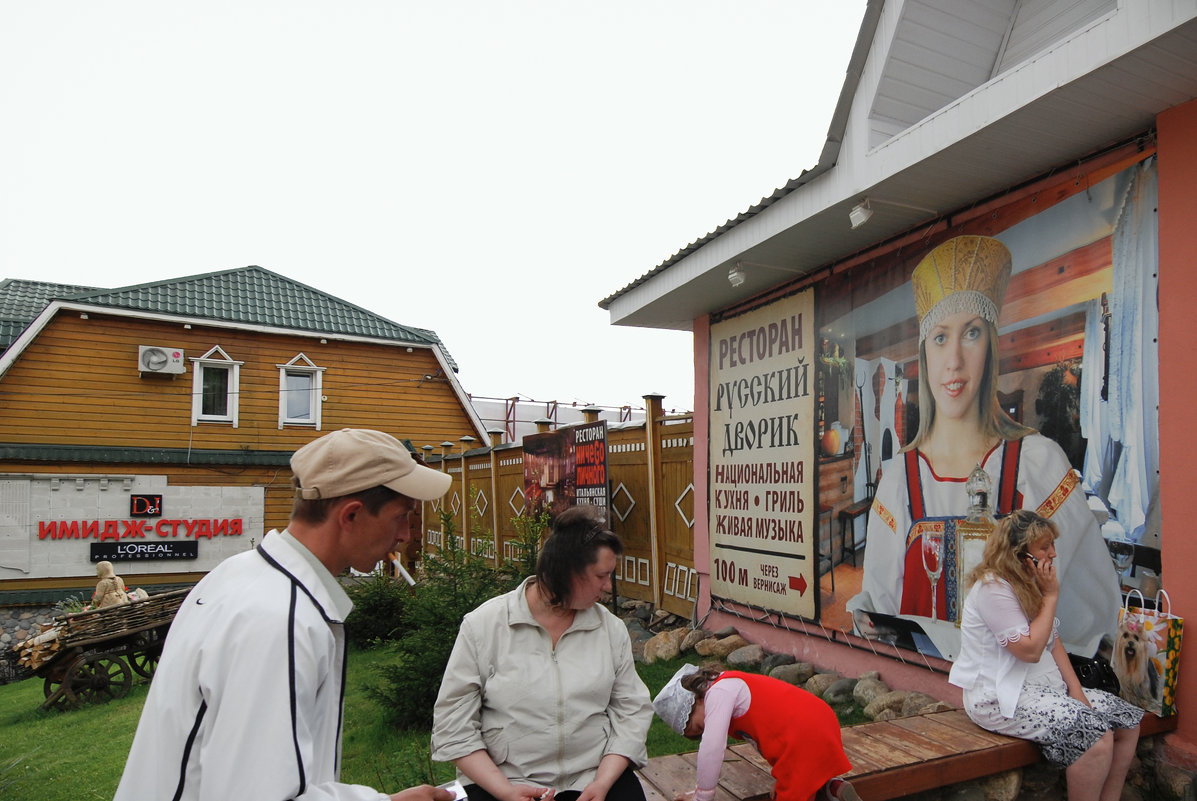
(1178, 379)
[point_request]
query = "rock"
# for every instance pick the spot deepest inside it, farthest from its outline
(969, 791)
(872, 674)
(726, 631)
(706, 647)
(797, 674)
(867, 689)
(770, 661)
(636, 629)
(1002, 786)
(677, 635)
(1042, 780)
(839, 694)
(1173, 781)
(914, 702)
(818, 683)
(938, 706)
(638, 651)
(887, 714)
(644, 612)
(658, 618)
(892, 700)
(663, 646)
(748, 656)
(692, 638)
(1131, 793)
(726, 645)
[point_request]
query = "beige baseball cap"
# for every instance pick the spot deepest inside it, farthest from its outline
(357, 459)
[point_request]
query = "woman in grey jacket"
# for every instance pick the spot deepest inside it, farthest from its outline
(541, 696)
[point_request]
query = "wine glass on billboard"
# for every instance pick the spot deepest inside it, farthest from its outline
(933, 563)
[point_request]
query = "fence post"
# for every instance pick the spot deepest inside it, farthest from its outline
(652, 425)
(446, 446)
(496, 439)
(466, 441)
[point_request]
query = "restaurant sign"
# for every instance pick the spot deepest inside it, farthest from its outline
(762, 476)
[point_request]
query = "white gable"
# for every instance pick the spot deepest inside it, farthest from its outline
(924, 132)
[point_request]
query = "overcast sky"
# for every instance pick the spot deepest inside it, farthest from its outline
(486, 169)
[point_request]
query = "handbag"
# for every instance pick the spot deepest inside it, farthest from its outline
(1146, 655)
(1095, 673)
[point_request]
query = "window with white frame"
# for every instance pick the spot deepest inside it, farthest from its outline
(300, 391)
(216, 385)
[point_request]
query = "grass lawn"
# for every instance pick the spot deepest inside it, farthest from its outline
(68, 756)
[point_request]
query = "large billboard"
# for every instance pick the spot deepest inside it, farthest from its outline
(565, 468)
(1076, 363)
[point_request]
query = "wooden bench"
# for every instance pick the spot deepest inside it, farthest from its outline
(890, 759)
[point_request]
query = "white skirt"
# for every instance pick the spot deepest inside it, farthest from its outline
(1062, 726)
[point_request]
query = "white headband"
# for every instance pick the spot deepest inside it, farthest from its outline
(675, 703)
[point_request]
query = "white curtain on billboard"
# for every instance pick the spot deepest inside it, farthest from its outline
(1134, 354)
(1100, 450)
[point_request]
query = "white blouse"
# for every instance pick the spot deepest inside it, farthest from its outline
(992, 619)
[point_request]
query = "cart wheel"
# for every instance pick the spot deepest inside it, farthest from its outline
(57, 695)
(98, 678)
(144, 663)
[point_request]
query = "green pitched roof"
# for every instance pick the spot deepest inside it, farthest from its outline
(249, 295)
(22, 301)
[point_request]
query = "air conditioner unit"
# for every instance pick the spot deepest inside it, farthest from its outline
(158, 359)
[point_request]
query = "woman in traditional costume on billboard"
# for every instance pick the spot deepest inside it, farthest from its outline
(959, 288)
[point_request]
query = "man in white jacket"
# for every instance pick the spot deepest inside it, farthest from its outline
(247, 699)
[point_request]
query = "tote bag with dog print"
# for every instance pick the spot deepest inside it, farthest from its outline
(1146, 655)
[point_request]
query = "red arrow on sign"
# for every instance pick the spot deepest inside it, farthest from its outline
(798, 583)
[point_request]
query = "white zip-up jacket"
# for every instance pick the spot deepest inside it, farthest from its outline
(246, 702)
(546, 715)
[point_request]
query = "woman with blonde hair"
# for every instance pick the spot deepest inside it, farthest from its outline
(1014, 671)
(959, 287)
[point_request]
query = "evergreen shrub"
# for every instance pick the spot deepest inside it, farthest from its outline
(378, 610)
(452, 582)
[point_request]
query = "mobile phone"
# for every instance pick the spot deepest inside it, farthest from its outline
(454, 787)
(1026, 555)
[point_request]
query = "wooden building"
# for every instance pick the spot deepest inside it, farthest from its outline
(191, 392)
(1067, 129)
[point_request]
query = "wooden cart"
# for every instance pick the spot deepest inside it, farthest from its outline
(101, 649)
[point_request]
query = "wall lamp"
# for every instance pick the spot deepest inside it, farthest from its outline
(862, 211)
(737, 274)
(860, 214)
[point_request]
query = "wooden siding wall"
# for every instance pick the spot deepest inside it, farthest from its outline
(80, 377)
(657, 565)
(631, 510)
(679, 582)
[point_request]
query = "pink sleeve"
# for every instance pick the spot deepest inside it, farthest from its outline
(724, 700)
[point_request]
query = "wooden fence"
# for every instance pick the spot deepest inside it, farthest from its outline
(650, 470)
